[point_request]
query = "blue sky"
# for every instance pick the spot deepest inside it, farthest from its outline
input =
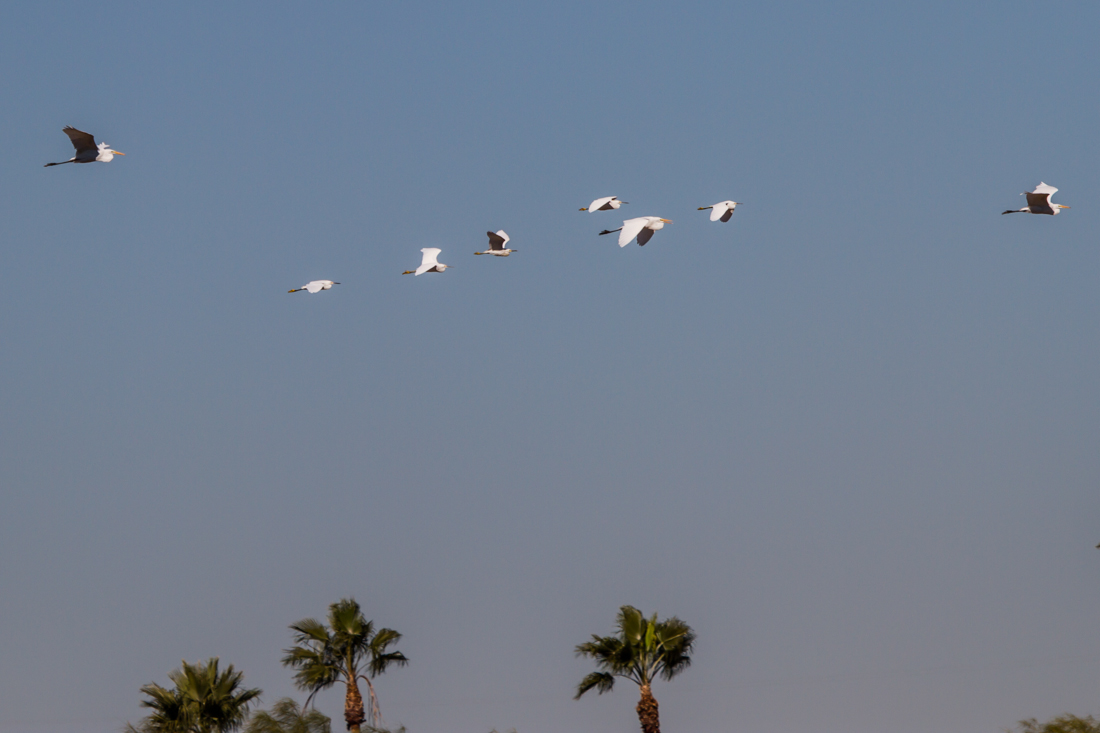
(850, 436)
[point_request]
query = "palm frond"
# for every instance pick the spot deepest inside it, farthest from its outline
(310, 630)
(346, 618)
(632, 625)
(205, 700)
(348, 648)
(601, 681)
(642, 650)
(380, 663)
(287, 717)
(676, 640)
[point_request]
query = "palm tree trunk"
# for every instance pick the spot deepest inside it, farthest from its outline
(353, 707)
(648, 715)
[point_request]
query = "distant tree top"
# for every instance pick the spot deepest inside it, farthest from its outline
(1065, 723)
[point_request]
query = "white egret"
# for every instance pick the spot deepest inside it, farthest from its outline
(642, 228)
(429, 263)
(86, 149)
(315, 286)
(1038, 201)
(497, 240)
(721, 211)
(607, 203)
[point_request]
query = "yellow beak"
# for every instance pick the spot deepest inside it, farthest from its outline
(117, 153)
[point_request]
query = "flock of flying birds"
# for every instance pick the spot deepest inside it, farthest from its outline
(641, 228)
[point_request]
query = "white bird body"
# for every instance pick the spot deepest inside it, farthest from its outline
(721, 211)
(86, 149)
(429, 263)
(497, 240)
(607, 203)
(642, 228)
(315, 286)
(1038, 201)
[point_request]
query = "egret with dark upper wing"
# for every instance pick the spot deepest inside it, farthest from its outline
(721, 211)
(429, 263)
(1038, 201)
(315, 286)
(497, 240)
(86, 149)
(607, 203)
(642, 228)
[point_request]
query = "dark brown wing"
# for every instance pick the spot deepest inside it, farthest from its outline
(1039, 200)
(726, 216)
(644, 236)
(81, 140)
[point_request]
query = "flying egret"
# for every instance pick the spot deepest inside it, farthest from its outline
(86, 149)
(315, 286)
(429, 263)
(721, 211)
(607, 203)
(497, 241)
(642, 228)
(1038, 201)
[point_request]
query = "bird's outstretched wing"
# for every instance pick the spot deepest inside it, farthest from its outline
(1041, 195)
(316, 286)
(644, 236)
(81, 140)
(429, 262)
(722, 210)
(497, 240)
(631, 229)
(599, 204)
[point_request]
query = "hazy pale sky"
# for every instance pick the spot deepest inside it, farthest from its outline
(851, 436)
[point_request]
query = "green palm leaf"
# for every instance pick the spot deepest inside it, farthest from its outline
(204, 700)
(347, 649)
(287, 717)
(641, 650)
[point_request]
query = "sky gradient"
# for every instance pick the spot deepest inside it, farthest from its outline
(851, 436)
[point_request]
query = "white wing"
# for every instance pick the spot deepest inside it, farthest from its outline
(595, 205)
(316, 286)
(722, 210)
(1044, 188)
(429, 261)
(631, 227)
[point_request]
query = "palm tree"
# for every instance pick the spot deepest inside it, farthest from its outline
(287, 717)
(204, 700)
(642, 650)
(1064, 723)
(348, 649)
